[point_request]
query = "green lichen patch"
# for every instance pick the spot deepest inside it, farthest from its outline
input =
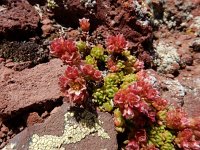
(73, 132)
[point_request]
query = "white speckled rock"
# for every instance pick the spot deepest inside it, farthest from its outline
(61, 130)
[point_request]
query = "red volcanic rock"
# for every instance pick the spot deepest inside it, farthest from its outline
(183, 90)
(18, 17)
(170, 88)
(125, 21)
(108, 18)
(191, 80)
(30, 86)
(4, 129)
(33, 118)
(2, 60)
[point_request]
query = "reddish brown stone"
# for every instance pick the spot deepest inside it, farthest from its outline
(30, 86)
(2, 144)
(196, 57)
(187, 59)
(2, 134)
(33, 118)
(47, 29)
(4, 129)
(45, 115)
(2, 60)
(19, 17)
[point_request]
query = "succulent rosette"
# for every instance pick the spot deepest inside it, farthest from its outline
(116, 44)
(90, 72)
(97, 52)
(138, 65)
(116, 82)
(66, 50)
(177, 119)
(84, 24)
(138, 139)
(73, 85)
(187, 140)
(81, 46)
(137, 98)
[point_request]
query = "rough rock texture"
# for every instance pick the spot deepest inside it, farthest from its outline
(54, 125)
(109, 17)
(170, 89)
(33, 118)
(172, 16)
(196, 45)
(121, 17)
(18, 18)
(174, 51)
(69, 12)
(26, 53)
(30, 86)
(183, 90)
(167, 58)
(190, 79)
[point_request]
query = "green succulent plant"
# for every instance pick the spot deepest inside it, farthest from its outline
(103, 96)
(161, 138)
(112, 79)
(127, 80)
(90, 60)
(131, 59)
(97, 52)
(81, 45)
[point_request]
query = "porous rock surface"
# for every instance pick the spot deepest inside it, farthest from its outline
(190, 79)
(109, 17)
(18, 16)
(170, 89)
(30, 86)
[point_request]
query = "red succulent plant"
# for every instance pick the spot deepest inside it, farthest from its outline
(142, 76)
(139, 138)
(187, 141)
(116, 44)
(57, 47)
(139, 103)
(84, 24)
(90, 72)
(138, 99)
(66, 50)
(112, 66)
(138, 65)
(177, 119)
(73, 85)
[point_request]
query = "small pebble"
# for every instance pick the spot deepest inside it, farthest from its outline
(4, 129)
(2, 145)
